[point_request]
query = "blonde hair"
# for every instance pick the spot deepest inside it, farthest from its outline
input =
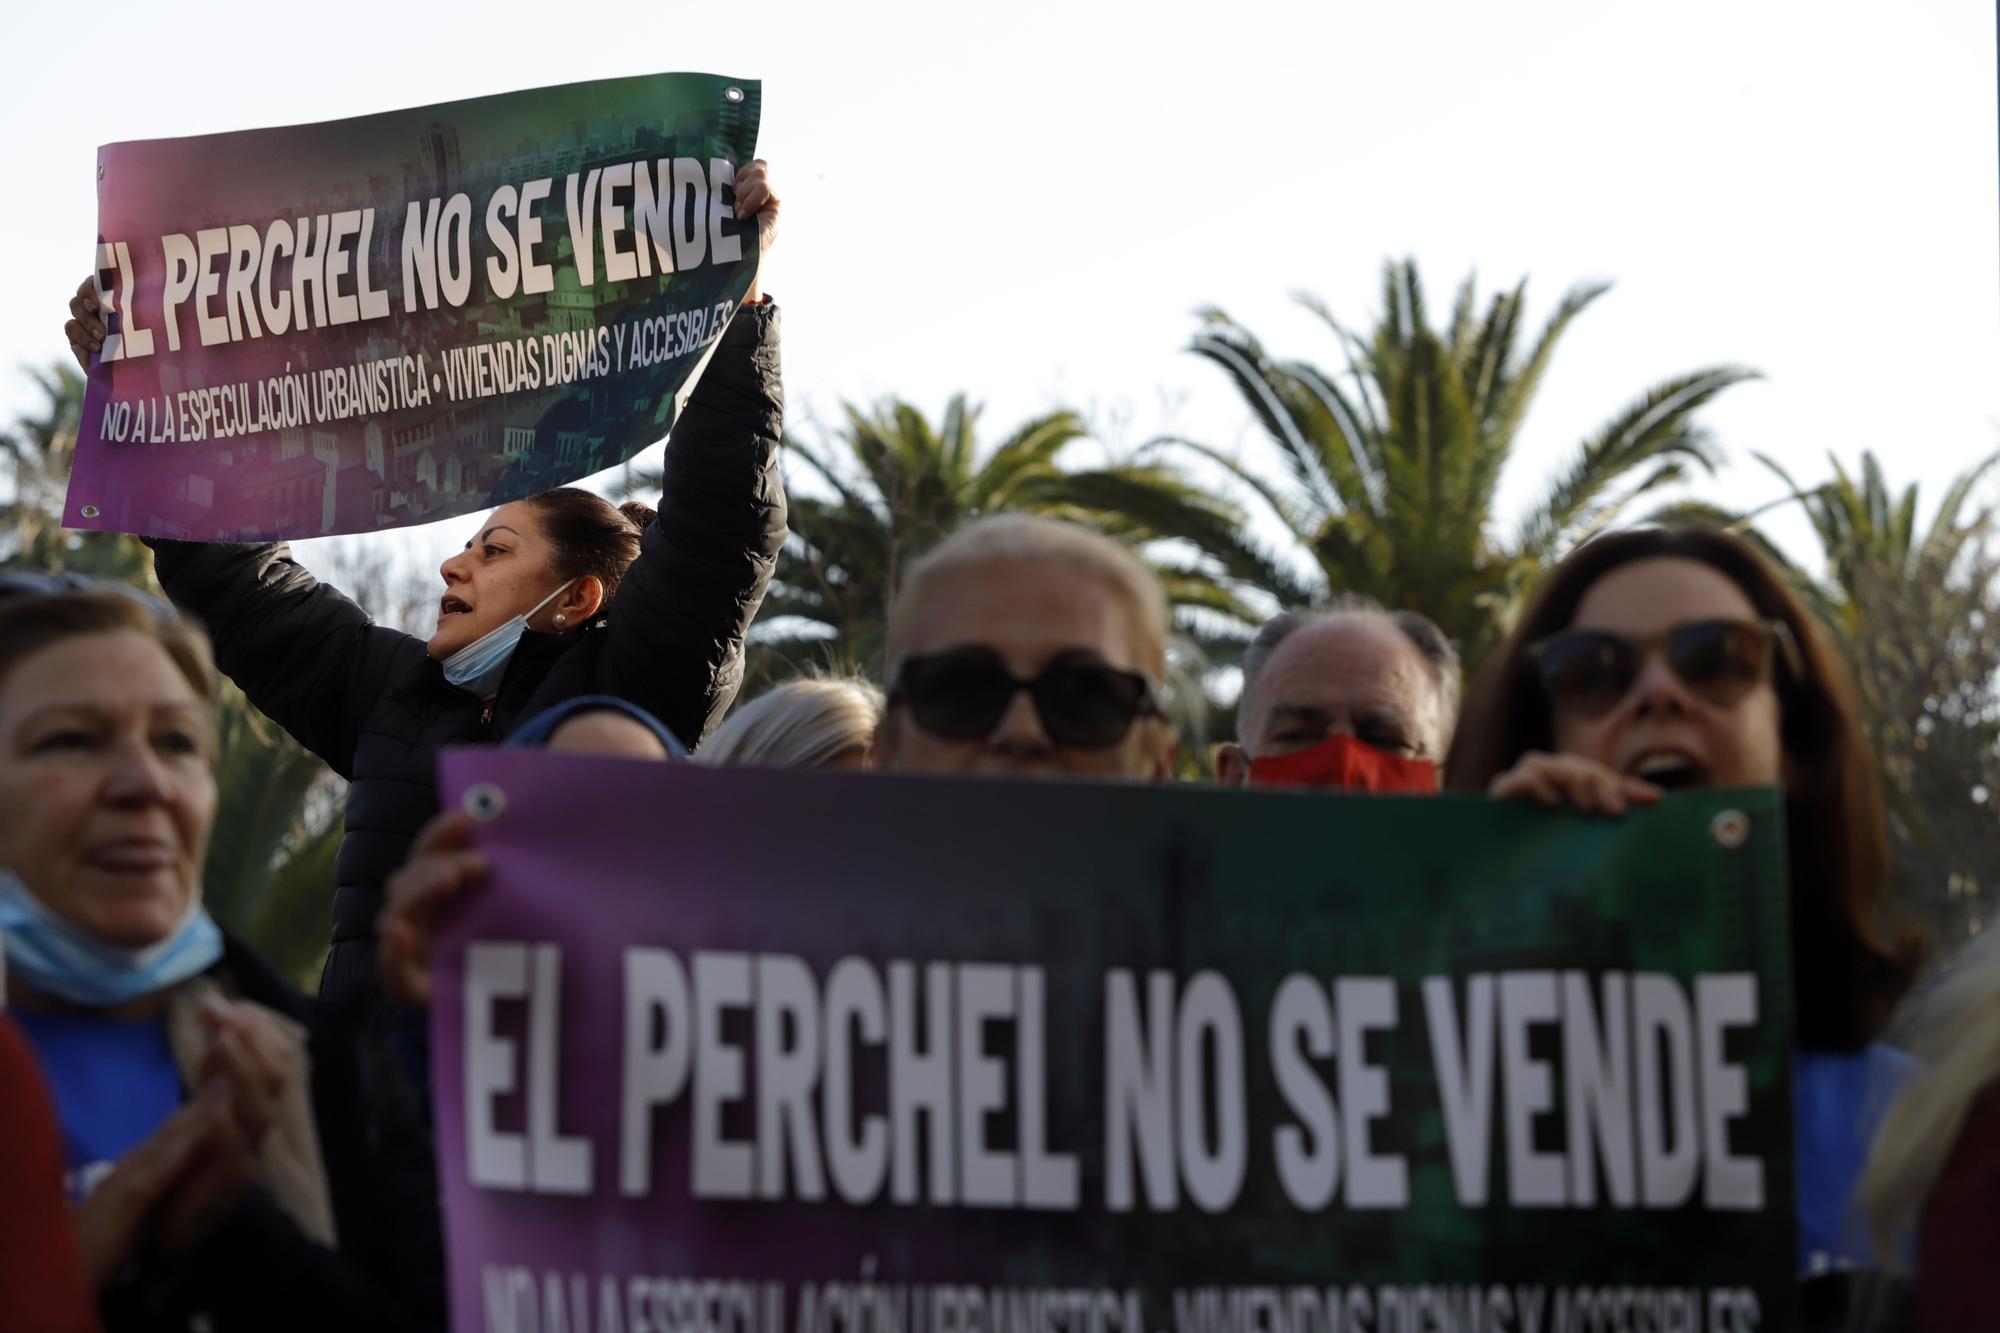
(30, 624)
(1024, 537)
(1955, 1034)
(803, 724)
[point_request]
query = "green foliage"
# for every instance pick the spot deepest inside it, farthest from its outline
(1915, 612)
(1389, 467)
(269, 874)
(891, 484)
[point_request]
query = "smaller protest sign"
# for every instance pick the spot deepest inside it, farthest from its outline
(400, 317)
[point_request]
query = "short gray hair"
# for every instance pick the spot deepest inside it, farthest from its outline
(1430, 642)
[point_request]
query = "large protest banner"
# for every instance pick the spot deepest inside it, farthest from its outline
(381, 321)
(725, 1051)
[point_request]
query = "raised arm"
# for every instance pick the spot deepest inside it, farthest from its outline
(681, 614)
(312, 660)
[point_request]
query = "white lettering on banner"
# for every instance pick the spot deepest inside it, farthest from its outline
(342, 308)
(1534, 1179)
(619, 265)
(493, 972)
(131, 339)
(927, 1083)
(582, 239)
(721, 1169)
(1727, 1181)
(1463, 1057)
(250, 280)
(1597, 1066)
(655, 1071)
(1654, 1136)
(1334, 1018)
(856, 1010)
(543, 1160)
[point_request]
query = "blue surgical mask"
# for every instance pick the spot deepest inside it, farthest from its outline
(478, 667)
(54, 958)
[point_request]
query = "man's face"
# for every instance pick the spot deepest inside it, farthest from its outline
(1356, 676)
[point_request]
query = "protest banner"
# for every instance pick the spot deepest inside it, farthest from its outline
(980, 1057)
(397, 318)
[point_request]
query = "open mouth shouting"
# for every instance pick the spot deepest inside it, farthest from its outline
(1673, 770)
(451, 605)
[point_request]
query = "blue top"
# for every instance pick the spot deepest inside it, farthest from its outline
(113, 1083)
(1838, 1100)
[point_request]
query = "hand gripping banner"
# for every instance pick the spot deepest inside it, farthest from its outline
(382, 321)
(1035, 1057)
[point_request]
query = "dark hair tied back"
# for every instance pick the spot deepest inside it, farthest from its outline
(641, 516)
(587, 534)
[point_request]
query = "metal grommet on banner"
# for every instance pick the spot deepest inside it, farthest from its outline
(733, 94)
(484, 802)
(1731, 828)
(91, 511)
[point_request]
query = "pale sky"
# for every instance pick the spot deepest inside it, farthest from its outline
(1027, 201)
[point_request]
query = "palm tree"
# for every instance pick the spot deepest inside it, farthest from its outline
(1870, 538)
(1391, 465)
(892, 483)
(269, 873)
(1916, 611)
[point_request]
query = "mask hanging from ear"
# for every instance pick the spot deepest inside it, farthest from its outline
(55, 958)
(478, 667)
(1342, 763)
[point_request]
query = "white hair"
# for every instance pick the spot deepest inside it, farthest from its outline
(1440, 657)
(1024, 537)
(802, 724)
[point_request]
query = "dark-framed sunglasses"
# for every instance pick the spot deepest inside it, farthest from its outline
(22, 584)
(962, 693)
(1587, 672)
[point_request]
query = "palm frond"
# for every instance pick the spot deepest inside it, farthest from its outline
(1658, 426)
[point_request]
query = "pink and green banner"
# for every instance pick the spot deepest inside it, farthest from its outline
(401, 317)
(983, 1057)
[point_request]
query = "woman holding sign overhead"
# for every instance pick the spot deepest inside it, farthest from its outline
(555, 596)
(1675, 658)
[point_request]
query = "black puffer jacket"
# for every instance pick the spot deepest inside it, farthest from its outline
(371, 702)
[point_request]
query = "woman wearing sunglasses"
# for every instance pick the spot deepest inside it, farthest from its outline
(1672, 658)
(1028, 647)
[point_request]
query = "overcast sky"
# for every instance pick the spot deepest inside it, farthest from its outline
(1028, 201)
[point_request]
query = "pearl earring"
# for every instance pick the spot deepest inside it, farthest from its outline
(560, 619)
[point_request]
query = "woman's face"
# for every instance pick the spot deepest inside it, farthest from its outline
(107, 781)
(1661, 729)
(1031, 613)
(501, 573)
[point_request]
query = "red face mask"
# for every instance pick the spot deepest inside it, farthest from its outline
(1342, 763)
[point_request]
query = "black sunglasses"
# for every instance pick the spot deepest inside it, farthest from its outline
(961, 695)
(22, 584)
(1586, 672)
